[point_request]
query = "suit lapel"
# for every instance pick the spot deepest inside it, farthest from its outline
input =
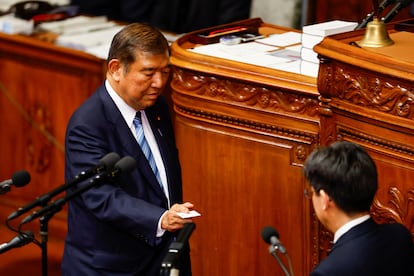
(114, 117)
(128, 141)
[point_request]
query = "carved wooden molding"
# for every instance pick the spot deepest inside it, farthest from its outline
(325, 75)
(364, 89)
(325, 242)
(243, 94)
(320, 243)
(250, 125)
(404, 149)
(399, 208)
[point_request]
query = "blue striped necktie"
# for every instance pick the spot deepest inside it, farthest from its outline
(139, 135)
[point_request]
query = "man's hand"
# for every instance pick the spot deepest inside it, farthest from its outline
(172, 221)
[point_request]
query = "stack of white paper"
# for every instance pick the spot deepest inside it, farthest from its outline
(89, 40)
(75, 24)
(312, 35)
(92, 35)
(13, 25)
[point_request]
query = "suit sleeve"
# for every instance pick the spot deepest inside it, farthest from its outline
(118, 203)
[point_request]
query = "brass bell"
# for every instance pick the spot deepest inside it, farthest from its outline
(376, 35)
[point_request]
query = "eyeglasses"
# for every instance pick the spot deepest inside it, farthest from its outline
(308, 193)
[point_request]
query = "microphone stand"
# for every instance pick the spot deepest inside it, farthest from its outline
(44, 222)
(169, 264)
(46, 213)
(106, 162)
(272, 251)
(364, 22)
(374, 13)
(169, 272)
(49, 211)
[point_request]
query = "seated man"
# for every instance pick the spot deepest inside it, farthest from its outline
(343, 183)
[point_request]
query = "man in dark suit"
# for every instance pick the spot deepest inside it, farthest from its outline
(343, 183)
(125, 227)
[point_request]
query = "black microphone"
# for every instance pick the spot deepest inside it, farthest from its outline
(176, 247)
(126, 164)
(401, 4)
(19, 179)
(370, 16)
(107, 162)
(271, 236)
(22, 239)
(385, 4)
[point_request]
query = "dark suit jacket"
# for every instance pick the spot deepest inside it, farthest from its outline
(111, 228)
(370, 249)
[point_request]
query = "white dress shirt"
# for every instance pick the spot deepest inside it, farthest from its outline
(128, 113)
(347, 226)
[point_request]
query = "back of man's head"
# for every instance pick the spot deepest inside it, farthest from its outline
(346, 172)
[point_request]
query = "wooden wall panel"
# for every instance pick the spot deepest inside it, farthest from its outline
(40, 87)
(236, 201)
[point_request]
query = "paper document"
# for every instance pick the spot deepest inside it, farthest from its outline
(281, 40)
(191, 214)
(255, 53)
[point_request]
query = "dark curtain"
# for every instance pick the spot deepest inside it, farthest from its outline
(178, 16)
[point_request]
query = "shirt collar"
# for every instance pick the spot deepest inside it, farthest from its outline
(128, 113)
(347, 226)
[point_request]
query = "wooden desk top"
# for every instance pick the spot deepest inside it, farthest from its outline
(183, 58)
(395, 60)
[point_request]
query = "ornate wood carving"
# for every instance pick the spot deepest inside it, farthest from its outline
(242, 94)
(325, 77)
(329, 135)
(252, 126)
(246, 94)
(325, 242)
(399, 208)
(403, 149)
(369, 90)
(318, 238)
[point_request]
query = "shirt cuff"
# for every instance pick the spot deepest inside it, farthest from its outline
(160, 232)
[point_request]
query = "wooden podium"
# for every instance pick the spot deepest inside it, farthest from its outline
(244, 132)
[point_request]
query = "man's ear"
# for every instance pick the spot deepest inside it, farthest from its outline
(115, 69)
(326, 200)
